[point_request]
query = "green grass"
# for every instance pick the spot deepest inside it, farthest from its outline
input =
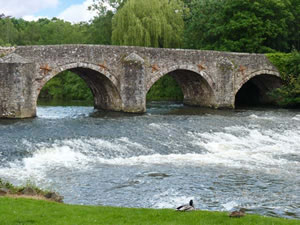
(18, 189)
(27, 211)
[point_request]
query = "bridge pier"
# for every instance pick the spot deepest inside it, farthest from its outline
(16, 90)
(224, 90)
(133, 88)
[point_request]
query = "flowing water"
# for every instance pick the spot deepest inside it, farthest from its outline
(221, 159)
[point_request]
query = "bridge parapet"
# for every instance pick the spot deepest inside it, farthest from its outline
(6, 50)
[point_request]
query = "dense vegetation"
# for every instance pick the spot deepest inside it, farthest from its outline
(289, 65)
(26, 211)
(258, 26)
(244, 26)
(66, 86)
(165, 88)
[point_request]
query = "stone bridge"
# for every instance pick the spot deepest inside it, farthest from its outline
(120, 77)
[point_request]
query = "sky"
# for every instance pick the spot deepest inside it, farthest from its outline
(73, 11)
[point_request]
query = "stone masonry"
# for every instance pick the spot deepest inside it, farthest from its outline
(120, 76)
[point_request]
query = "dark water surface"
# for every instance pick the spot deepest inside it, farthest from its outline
(221, 159)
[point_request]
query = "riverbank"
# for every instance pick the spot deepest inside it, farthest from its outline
(28, 211)
(28, 191)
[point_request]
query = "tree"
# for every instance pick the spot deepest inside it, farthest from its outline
(66, 86)
(103, 6)
(166, 88)
(294, 25)
(152, 23)
(2, 16)
(31, 33)
(100, 30)
(8, 32)
(203, 27)
(239, 25)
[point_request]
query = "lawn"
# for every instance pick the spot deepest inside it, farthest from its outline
(19, 211)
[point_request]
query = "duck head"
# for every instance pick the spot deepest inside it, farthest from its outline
(242, 210)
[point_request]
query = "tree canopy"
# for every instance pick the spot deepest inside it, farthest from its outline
(104, 6)
(152, 23)
(239, 25)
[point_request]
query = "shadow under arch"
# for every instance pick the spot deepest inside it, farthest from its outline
(255, 88)
(197, 88)
(103, 85)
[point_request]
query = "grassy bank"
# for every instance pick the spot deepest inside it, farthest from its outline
(28, 191)
(27, 211)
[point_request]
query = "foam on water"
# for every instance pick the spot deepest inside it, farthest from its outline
(250, 148)
(169, 199)
(155, 125)
(35, 167)
(260, 117)
(297, 117)
(235, 147)
(230, 205)
(79, 154)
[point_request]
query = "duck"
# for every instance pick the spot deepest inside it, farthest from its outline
(185, 208)
(238, 214)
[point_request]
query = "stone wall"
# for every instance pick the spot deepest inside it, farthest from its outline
(6, 50)
(121, 76)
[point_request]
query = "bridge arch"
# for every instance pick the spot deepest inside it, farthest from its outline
(197, 86)
(255, 86)
(104, 86)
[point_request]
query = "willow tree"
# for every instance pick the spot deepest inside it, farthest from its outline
(151, 23)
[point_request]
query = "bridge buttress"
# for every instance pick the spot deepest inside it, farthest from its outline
(133, 84)
(224, 90)
(16, 90)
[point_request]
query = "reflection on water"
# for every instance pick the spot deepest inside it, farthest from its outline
(223, 159)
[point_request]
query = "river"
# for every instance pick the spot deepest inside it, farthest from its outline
(222, 159)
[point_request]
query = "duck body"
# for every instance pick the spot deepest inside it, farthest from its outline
(238, 214)
(186, 208)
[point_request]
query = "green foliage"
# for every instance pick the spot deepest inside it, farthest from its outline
(41, 32)
(294, 25)
(18, 189)
(9, 33)
(289, 66)
(66, 85)
(100, 30)
(26, 211)
(103, 6)
(166, 88)
(4, 184)
(152, 23)
(239, 25)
